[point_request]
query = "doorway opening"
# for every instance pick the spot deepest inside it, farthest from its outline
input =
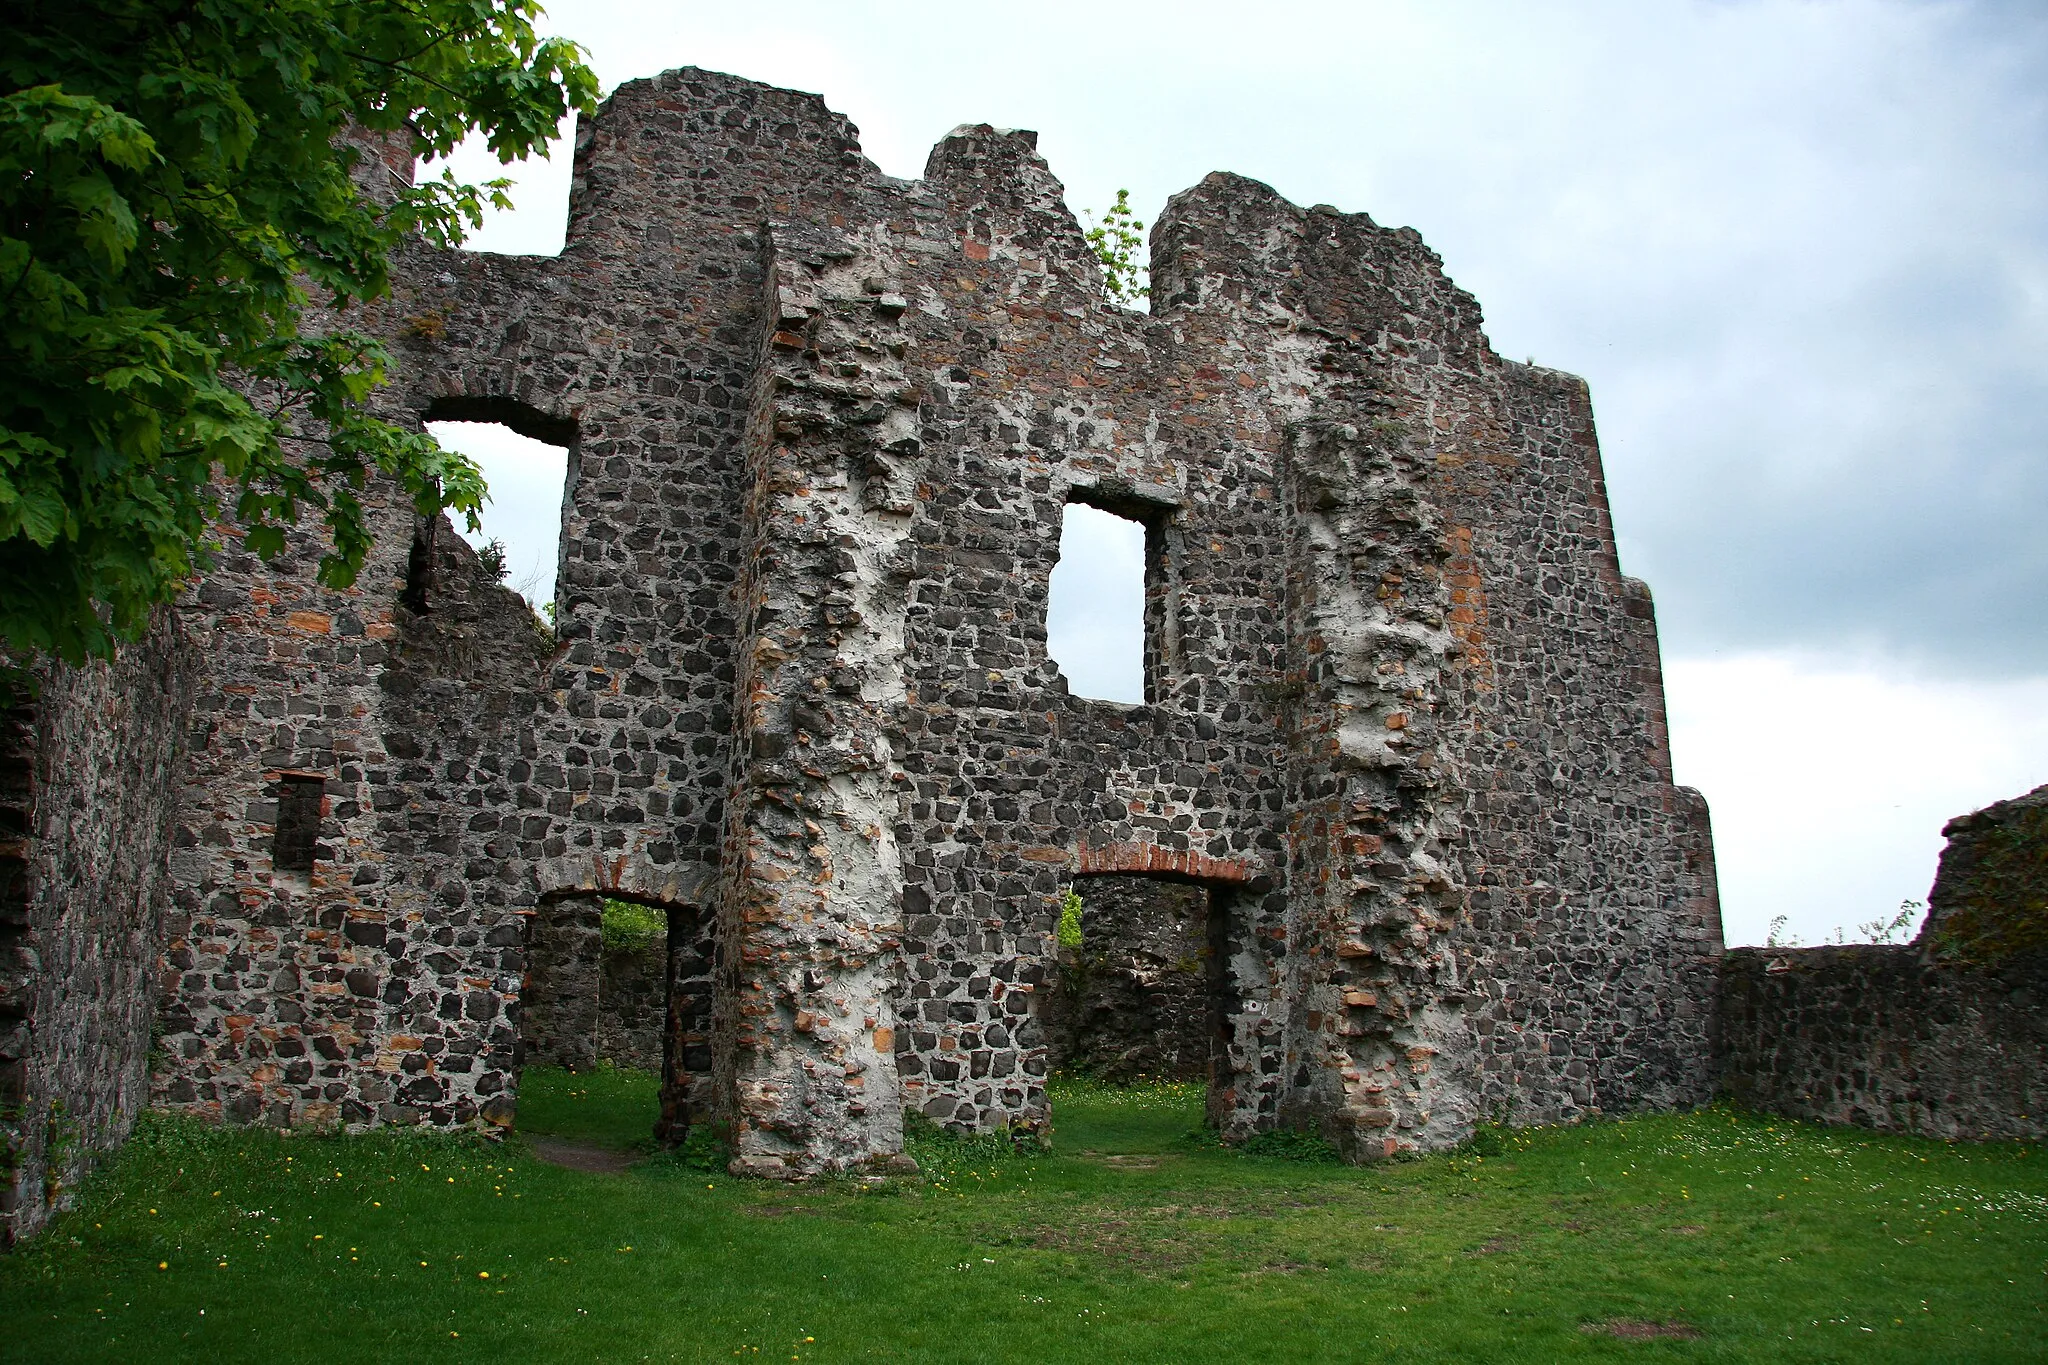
(1140, 1015)
(594, 1017)
(1130, 999)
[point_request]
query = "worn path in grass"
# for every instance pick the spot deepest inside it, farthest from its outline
(1709, 1236)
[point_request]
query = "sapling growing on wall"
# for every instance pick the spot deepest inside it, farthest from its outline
(1116, 240)
(1069, 932)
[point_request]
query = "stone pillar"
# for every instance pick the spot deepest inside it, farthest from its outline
(813, 883)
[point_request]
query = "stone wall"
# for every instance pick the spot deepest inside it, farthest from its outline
(381, 986)
(1946, 1037)
(1133, 1000)
(1403, 719)
(583, 1002)
(632, 1016)
(560, 1000)
(1510, 911)
(1989, 903)
(1882, 1037)
(87, 789)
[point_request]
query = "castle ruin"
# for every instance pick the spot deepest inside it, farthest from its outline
(1403, 726)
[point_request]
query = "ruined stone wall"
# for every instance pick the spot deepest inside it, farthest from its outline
(1511, 909)
(632, 1010)
(1596, 917)
(1946, 1037)
(87, 789)
(381, 984)
(1402, 715)
(583, 1001)
(1030, 392)
(559, 1000)
(1882, 1037)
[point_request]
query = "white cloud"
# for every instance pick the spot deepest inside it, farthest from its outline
(1829, 784)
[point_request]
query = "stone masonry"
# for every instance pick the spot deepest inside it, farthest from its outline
(1403, 719)
(88, 785)
(1945, 1037)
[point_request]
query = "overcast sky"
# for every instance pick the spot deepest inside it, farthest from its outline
(1798, 247)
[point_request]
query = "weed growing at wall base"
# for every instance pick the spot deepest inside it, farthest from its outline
(1706, 1236)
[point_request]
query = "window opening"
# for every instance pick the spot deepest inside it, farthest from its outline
(521, 537)
(1095, 617)
(296, 837)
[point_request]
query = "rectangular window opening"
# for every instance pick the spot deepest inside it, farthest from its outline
(531, 472)
(1108, 616)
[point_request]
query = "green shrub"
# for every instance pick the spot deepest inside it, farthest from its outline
(1288, 1145)
(1485, 1141)
(1069, 932)
(631, 928)
(705, 1149)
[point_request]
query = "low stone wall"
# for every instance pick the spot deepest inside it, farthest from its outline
(88, 783)
(1887, 1038)
(1133, 999)
(1947, 1037)
(632, 1008)
(558, 1002)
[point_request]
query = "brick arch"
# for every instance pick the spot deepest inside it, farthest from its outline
(1155, 860)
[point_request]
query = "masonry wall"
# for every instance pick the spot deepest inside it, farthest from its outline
(582, 1002)
(1403, 720)
(1513, 910)
(380, 986)
(1946, 1037)
(560, 999)
(87, 788)
(632, 1015)
(1880, 1036)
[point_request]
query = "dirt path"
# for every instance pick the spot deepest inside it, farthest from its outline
(581, 1156)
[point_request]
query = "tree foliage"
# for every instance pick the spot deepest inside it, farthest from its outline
(1116, 239)
(175, 188)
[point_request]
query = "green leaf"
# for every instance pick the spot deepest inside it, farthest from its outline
(171, 176)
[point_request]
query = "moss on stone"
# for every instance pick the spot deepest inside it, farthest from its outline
(1990, 902)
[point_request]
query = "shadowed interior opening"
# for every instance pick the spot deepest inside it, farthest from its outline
(1130, 998)
(296, 836)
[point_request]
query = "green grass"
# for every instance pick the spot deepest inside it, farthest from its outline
(608, 1107)
(1133, 1240)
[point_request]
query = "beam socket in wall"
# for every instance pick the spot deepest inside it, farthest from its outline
(300, 797)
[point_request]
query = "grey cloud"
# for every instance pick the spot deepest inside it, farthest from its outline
(1800, 250)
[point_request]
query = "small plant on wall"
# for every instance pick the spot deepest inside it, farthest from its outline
(1069, 931)
(1116, 240)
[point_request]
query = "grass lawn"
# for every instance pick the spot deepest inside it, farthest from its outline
(1705, 1236)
